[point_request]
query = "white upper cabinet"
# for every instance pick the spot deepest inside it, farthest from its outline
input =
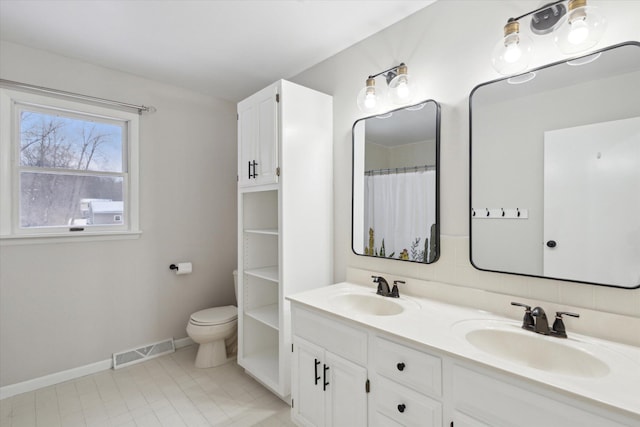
(258, 138)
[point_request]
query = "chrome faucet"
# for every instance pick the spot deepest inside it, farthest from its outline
(383, 286)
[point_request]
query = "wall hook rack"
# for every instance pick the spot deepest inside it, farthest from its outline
(499, 213)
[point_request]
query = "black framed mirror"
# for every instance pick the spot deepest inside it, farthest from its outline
(555, 170)
(395, 206)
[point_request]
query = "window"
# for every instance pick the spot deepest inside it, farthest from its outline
(67, 169)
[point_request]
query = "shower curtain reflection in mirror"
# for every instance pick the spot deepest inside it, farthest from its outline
(399, 213)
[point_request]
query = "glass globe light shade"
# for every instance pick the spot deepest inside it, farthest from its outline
(512, 54)
(401, 88)
(580, 29)
(370, 97)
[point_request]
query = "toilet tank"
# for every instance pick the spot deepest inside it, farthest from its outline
(235, 283)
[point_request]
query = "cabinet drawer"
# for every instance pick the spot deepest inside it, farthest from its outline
(486, 398)
(408, 366)
(334, 336)
(404, 406)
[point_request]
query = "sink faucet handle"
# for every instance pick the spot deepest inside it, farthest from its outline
(558, 328)
(527, 320)
(394, 291)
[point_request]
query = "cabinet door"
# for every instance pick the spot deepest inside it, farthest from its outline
(258, 138)
(462, 420)
(347, 397)
(307, 383)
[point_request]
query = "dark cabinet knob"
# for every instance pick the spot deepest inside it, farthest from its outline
(551, 243)
(402, 407)
(400, 366)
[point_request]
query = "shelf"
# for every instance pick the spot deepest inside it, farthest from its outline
(267, 273)
(267, 231)
(264, 365)
(267, 314)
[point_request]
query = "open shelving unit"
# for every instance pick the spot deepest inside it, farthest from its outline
(284, 221)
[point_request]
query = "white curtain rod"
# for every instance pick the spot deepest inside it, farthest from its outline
(139, 108)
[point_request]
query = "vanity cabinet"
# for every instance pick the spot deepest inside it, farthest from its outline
(329, 376)
(284, 222)
(411, 384)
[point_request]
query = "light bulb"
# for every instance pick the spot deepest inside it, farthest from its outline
(512, 53)
(580, 29)
(369, 98)
(579, 32)
(401, 89)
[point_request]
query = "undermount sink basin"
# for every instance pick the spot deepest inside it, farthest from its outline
(554, 355)
(371, 304)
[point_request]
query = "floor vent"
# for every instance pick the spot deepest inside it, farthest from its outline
(130, 357)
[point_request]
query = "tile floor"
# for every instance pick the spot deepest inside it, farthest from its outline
(167, 391)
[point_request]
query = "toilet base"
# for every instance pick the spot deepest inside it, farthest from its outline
(211, 354)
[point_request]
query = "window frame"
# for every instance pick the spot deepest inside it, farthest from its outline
(11, 102)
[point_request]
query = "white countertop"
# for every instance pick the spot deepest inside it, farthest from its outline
(441, 327)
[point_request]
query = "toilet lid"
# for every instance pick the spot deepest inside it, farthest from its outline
(215, 315)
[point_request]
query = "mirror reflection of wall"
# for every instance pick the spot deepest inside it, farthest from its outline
(395, 184)
(515, 128)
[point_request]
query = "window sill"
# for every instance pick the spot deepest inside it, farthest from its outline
(27, 239)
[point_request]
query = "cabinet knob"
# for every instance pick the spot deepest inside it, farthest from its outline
(402, 407)
(400, 366)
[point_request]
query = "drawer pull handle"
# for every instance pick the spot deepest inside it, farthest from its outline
(402, 407)
(315, 371)
(400, 366)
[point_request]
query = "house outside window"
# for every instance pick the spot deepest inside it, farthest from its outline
(67, 168)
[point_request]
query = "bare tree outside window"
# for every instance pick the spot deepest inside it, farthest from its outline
(69, 168)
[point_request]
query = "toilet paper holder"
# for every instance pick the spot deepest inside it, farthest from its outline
(181, 268)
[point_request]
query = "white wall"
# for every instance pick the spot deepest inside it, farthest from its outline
(447, 46)
(70, 304)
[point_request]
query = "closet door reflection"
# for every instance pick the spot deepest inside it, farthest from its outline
(395, 184)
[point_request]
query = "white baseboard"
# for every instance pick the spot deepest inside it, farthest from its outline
(183, 342)
(69, 374)
(55, 378)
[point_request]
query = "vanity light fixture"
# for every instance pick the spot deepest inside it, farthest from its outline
(371, 99)
(576, 28)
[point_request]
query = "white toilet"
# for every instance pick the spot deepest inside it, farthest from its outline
(216, 330)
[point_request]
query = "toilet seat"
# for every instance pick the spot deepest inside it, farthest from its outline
(214, 316)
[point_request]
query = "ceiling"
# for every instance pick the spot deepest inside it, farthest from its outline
(224, 48)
